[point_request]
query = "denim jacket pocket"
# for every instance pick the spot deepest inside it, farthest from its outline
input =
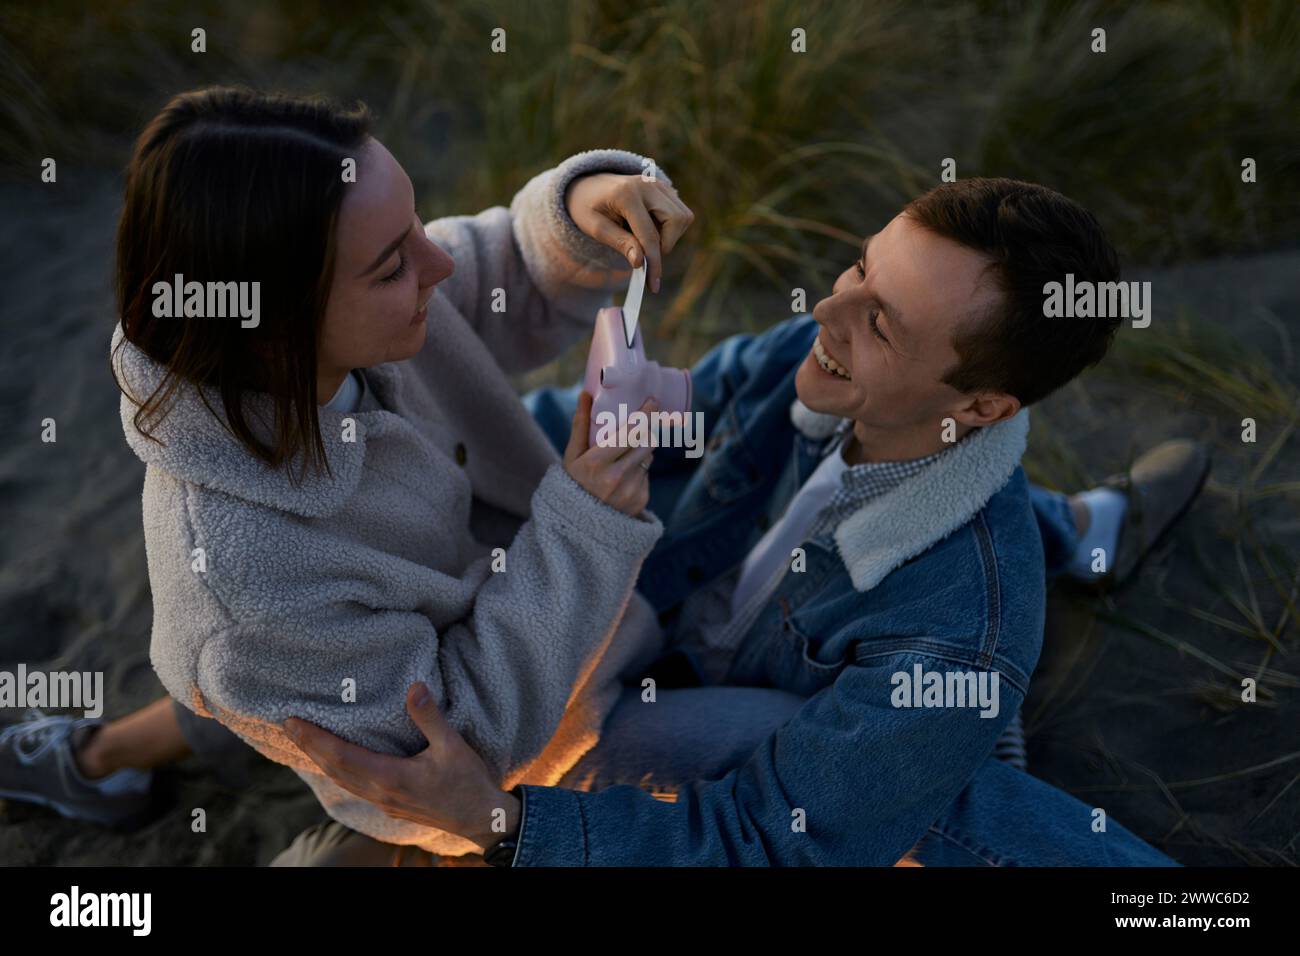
(729, 470)
(793, 663)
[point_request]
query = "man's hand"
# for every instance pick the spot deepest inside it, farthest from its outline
(606, 206)
(446, 785)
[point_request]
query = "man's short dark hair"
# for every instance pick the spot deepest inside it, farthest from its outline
(1033, 235)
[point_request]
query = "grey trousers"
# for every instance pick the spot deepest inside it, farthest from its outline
(206, 737)
(226, 756)
(332, 844)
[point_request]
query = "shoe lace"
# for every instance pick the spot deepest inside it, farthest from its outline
(35, 735)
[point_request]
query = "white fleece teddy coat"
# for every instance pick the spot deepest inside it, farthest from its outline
(372, 575)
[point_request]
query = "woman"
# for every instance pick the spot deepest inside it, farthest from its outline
(343, 493)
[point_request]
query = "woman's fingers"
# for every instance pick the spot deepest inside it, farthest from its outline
(633, 491)
(674, 217)
(605, 230)
(616, 450)
(580, 429)
(647, 235)
(617, 473)
(635, 463)
(642, 219)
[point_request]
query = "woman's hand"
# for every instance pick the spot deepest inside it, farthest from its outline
(642, 220)
(617, 475)
(446, 785)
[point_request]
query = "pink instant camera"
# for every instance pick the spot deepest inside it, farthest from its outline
(618, 374)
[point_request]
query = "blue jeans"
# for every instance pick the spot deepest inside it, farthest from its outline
(1003, 816)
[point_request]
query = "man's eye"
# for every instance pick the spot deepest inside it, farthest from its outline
(862, 273)
(871, 319)
(398, 272)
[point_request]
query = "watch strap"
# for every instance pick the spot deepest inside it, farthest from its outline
(502, 853)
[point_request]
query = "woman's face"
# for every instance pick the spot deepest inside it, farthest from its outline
(385, 270)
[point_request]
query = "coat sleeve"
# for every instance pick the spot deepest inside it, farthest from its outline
(849, 780)
(503, 674)
(527, 280)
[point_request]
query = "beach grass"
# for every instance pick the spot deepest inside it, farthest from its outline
(787, 158)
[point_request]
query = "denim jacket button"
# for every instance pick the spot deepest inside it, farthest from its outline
(461, 454)
(695, 574)
(762, 522)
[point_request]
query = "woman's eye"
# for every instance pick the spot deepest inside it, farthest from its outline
(398, 272)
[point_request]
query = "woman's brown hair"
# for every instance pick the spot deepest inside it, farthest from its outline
(230, 185)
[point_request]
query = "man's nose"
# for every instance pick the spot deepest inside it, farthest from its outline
(832, 315)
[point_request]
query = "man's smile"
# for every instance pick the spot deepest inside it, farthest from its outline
(827, 362)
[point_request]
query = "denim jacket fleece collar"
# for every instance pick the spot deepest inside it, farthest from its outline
(900, 524)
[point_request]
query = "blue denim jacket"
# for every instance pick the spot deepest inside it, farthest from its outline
(945, 573)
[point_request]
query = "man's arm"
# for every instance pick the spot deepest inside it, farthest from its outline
(849, 780)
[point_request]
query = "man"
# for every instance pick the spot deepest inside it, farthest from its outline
(853, 573)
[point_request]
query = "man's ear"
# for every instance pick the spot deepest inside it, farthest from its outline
(986, 408)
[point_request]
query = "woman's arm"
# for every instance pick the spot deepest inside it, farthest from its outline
(530, 279)
(502, 673)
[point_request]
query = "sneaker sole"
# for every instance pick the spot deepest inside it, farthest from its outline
(1109, 586)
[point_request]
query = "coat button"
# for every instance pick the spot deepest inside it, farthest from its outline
(461, 454)
(695, 574)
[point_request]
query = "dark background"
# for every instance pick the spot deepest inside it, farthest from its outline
(788, 160)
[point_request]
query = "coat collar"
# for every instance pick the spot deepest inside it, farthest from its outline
(902, 523)
(197, 447)
(815, 425)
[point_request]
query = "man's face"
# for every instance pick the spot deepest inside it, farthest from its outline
(889, 324)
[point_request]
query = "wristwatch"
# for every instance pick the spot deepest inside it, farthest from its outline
(502, 853)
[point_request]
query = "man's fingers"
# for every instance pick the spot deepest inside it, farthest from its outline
(345, 763)
(358, 785)
(426, 715)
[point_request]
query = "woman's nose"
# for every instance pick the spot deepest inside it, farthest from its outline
(437, 266)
